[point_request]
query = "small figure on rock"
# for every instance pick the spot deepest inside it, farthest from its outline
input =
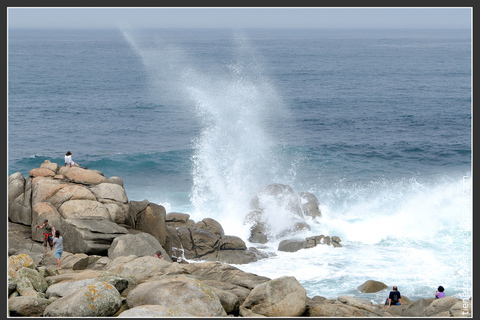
(158, 255)
(47, 234)
(394, 299)
(58, 241)
(69, 160)
(439, 293)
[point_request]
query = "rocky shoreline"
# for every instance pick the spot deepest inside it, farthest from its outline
(108, 268)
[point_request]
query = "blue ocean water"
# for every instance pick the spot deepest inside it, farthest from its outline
(375, 123)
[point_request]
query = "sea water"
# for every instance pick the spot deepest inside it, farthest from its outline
(375, 123)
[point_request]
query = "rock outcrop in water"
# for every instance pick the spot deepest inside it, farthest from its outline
(277, 211)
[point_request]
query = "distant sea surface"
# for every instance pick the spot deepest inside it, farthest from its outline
(375, 123)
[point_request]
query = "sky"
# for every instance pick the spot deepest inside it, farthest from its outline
(240, 17)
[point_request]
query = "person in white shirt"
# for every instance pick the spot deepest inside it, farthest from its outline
(68, 159)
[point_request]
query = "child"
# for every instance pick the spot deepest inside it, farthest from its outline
(58, 248)
(47, 234)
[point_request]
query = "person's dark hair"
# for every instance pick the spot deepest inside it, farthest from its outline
(395, 288)
(57, 233)
(441, 289)
(46, 220)
(68, 153)
(158, 253)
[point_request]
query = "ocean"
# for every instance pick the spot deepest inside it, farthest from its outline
(377, 124)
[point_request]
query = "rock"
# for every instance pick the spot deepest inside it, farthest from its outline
(109, 192)
(310, 205)
(142, 244)
(366, 307)
(281, 297)
(99, 299)
(414, 309)
(44, 188)
(50, 165)
(77, 261)
(82, 176)
(176, 219)
(92, 235)
(79, 209)
(334, 310)
(371, 286)
(204, 241)
(212, 225)
(70, 192)
(119, 213)
(40, 212)
(24, 306)
(41, 172)
(152, 220)
(290, 245)
(231, 256)
(30, 283)
(225, 273)
(232, 243)
(64, 288)
(18, 262)
(19, 192)
(151, 311)
(116, 180)
(240, 292)
(184, 294)
(440, 305)
(138, 268)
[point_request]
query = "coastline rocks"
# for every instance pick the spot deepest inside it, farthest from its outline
(151, 311)
(277, 211)
(281, 297)
(25, 306)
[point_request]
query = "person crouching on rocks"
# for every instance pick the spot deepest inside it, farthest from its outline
(47, 234)
(68, 159)
(394, 298)
(158, 255)
(439, 293)
(58, 241)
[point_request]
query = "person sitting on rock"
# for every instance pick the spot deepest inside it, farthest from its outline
(68, 159)
(439, 293)
(47, 234)
(394, 298)
(158, 255)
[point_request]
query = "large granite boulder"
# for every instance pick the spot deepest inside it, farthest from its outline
(25, 306)
(141, 244)
(153, 311)
(152, 220)
(310, 205)
(81, 175)
(281, 297)
(99, 299)
(19, 194)
(182, 293)
(90, 235)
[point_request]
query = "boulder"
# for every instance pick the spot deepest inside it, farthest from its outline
(371, 286)
(212, 225)
(70, 192)
(82, 176)
(231, 256)
(240, 292)
(281, 297)
(119, 213)
(439, 306)
(79, 209)
(77, 261)
(366, 307)
(50, 165)
(176, 219)
(41, 172)
(24, 306)
(18, 262)
(334, 310)
(414, 309)
(290, 245)
(30, 283)
(182, 293)
(116, 180)
(232, 243)
(141, 244)
(225, 273)
(204, 241)
(153, 311)
(19, 193)
(109, 192)
(40, 212)
(152, 220)
(90, 235)
(310, 205)
(99, 299)
(44, 188)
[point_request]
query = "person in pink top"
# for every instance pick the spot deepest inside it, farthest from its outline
(439, 293)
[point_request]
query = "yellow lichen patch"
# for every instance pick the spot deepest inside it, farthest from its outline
(17, 262)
